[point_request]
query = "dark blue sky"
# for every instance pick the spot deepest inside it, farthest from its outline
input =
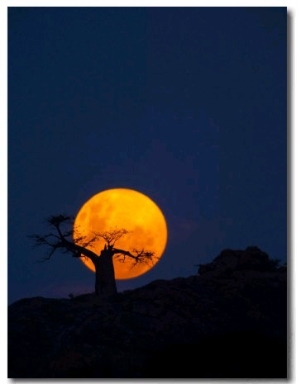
(187, 105)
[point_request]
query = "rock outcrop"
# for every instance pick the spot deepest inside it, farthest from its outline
(226, 322)
(252, 258)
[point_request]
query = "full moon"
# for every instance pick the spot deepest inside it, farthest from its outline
(122, 208)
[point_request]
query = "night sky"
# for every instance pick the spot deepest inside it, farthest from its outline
(186, 105)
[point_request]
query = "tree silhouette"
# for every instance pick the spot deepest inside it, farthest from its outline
(61, 238)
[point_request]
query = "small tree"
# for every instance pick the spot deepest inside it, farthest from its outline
(61, 238)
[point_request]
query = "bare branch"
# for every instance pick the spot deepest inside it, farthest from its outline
(62, 240)
(57, 220)
(85, 241)
(143, 256)
(138, 256)
(112, 236)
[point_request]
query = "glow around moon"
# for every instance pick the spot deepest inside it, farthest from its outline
(128, 209)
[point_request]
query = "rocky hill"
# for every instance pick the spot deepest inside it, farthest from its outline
(229, 321)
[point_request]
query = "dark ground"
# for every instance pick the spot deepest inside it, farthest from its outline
(229, 321)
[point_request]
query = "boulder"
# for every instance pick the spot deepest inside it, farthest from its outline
(252, 258)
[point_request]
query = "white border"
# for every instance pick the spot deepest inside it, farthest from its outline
(293, 8)
(152, 3)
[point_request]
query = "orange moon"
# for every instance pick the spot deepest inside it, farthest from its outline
(122, 208)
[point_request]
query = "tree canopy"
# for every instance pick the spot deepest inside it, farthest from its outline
(62, 237)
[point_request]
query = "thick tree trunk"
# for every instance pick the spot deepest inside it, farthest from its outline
(105, 284)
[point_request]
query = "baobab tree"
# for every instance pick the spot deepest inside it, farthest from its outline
(61, 238)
